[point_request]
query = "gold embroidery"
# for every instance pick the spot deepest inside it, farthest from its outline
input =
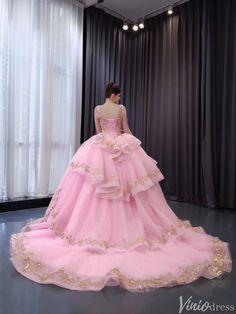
(26, 264)
(86, 168)
(107, 125)
(52, 209)
(125, 190)
(27, 228)
(173, 230)
(105, 244)
(141, 180)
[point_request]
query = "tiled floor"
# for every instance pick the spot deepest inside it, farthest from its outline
(19, 295)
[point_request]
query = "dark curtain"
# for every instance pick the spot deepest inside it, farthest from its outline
(178, 84)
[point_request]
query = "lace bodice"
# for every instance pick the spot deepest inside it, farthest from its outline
(113, 134)
(110, 125)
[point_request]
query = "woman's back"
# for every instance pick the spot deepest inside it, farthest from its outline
(116, 112)
(110, 111)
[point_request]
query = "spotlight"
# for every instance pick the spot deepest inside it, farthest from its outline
(170, 10)
(141, 23)
(135, 27)
(125, 25)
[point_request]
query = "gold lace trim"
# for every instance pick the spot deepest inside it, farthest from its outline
(86, 168)
(125, 245)
(26, 264)
(173, 230)
(126, 189)
(52, 209)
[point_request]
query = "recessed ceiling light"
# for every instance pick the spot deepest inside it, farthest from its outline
(170, 10)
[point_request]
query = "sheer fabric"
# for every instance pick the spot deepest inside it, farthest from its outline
(40, 93)
(99, 119)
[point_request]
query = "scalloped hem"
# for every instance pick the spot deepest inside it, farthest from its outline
(25, 264)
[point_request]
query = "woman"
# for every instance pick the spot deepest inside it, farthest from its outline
(108, 222)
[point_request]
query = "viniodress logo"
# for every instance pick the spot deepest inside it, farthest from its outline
(203, 306)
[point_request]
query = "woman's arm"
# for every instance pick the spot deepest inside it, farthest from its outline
(96, 121)
(125, 124)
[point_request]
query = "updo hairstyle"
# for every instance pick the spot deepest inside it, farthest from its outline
(112, 88)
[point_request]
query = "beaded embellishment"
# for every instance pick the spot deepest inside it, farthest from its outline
(29, 266)
(111, 125)
(125, 190)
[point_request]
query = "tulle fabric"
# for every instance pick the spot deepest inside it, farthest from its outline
(109, 224)
(100, 160)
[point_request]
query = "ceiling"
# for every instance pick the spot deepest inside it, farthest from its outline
(134, 9)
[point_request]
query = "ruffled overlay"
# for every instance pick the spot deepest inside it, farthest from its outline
(115, 228)
(118, 166)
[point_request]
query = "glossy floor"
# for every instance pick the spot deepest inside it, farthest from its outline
(19, 295)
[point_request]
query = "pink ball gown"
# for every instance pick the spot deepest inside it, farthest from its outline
(108, 224)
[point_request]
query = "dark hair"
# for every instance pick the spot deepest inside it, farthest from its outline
(112, 88)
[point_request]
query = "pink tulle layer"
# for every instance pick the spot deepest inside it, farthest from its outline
(109, 224)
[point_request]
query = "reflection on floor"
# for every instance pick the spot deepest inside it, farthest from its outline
(19, 295)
